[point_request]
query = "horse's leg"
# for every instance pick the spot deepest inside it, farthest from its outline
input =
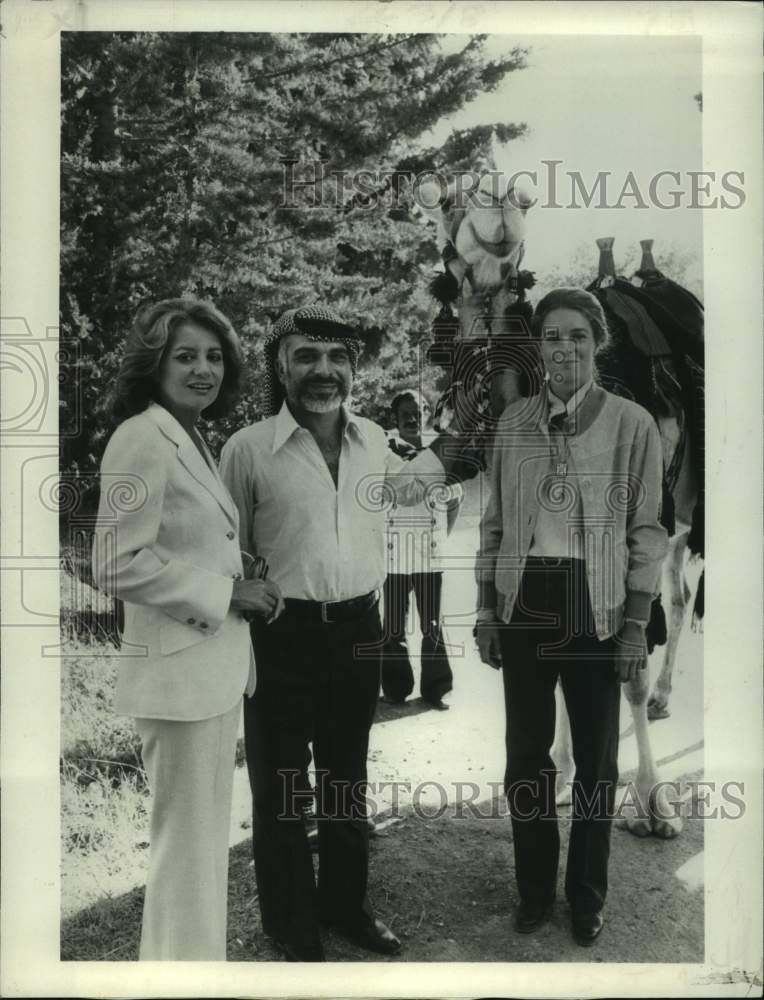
(654, 812)
(562, 751)
(676, 595)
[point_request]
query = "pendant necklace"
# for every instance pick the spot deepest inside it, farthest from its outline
(560, 445)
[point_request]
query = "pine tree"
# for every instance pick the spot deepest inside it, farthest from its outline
(261, 172)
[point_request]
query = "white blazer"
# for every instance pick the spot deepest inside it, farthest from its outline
(167, 544)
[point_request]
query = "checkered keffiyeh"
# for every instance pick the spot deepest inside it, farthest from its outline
(314, 322)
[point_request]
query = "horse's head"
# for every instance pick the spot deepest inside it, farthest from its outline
(483, 219)
(481, 228)
(489, 238)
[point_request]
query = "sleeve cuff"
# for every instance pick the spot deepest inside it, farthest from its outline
(638, 604)
(486, 615)
(222, 600)
(488, 598)
(210, 613)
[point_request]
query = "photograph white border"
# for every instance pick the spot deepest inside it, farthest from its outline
(29, 747)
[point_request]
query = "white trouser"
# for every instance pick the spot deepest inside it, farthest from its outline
(190, 769)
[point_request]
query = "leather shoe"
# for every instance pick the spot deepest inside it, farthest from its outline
(438, 705)
(372, 935)
(531, 915)
(300, 952)
(587, 927)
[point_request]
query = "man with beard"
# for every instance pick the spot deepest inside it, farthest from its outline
(311, 483)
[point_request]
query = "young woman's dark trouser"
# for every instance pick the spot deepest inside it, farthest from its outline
(397, 672)
(313, 683)
(535, 655)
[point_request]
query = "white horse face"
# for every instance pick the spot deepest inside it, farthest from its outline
(490, 237)
(484, 222)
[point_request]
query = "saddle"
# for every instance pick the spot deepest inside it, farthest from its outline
(645, 334)
(656, 357)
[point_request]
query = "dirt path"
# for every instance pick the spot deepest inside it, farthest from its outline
(446, 885)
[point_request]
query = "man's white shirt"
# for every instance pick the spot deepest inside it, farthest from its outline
(322, 542)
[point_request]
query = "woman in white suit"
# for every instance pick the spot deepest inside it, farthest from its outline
(166, 543)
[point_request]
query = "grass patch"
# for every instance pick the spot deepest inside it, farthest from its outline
(104, 838)
(92, 737)
(104, 795)
(108, 931)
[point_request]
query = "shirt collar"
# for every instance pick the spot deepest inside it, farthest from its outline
(286, 426)
(559, 408)
(352, 424)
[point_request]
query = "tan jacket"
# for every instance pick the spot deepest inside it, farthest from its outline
(167, 543)
(615, 462)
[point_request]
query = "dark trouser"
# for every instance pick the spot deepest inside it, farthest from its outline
(313, 684)
(585, 667)
(397, 673)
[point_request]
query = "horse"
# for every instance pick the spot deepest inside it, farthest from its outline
(492, 361)
(485, 348)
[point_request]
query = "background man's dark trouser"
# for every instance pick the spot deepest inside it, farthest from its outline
(312, 684)
(397, 672)
(592, 692)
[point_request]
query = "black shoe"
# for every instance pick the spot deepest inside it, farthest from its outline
(372, 935)
(388, 699)
(587, 927)
(299, 952)
(439, 705)
(531, 915)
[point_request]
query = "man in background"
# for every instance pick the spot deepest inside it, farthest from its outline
(416, 540)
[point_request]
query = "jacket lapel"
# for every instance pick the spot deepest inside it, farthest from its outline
(193, 462)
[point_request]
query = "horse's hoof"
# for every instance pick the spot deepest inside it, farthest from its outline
(667, 829)
(665, 817)
(657, 710)
(563, 796)
(638, 827)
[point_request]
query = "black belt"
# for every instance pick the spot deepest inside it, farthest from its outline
(331, 612)
(552, 561)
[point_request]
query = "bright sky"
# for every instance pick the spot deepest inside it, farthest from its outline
(613, 103)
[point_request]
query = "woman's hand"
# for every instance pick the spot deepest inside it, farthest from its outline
(630, 652)
(260, 596)
(488, 644)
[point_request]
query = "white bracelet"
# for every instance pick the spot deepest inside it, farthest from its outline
(635, 621)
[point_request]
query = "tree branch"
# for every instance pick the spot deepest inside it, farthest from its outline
(296, 67)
